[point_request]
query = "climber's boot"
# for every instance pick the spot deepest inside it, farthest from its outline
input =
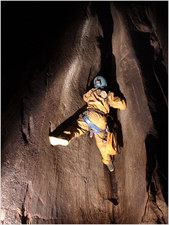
(61, 140)
(110, 167)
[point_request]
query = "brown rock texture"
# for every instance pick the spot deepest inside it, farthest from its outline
(46, 68)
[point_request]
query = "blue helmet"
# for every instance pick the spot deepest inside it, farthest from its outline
(99, 82)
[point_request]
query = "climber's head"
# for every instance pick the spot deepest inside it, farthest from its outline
(99, 82)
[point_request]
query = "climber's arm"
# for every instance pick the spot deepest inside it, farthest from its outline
(87, 95)
(116, 102)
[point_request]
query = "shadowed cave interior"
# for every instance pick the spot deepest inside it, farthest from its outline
(51, 52)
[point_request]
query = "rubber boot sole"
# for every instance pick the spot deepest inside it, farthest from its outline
(58, 141)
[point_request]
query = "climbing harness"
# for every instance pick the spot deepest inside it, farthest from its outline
(100, 112)
(93, 128)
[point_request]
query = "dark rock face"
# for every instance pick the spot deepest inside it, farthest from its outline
(43, 82)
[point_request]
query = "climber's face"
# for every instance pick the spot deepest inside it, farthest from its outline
(98, 83)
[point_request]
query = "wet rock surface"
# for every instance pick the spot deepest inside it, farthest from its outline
(46, 68)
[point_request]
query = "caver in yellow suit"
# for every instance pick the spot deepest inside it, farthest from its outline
(94, 119)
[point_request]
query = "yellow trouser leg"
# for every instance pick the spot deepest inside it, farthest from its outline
(79, 128)
(100, 121)
(101, 144)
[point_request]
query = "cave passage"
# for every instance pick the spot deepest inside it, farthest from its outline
(51, 52)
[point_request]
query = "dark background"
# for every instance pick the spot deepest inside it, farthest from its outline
(31, 32)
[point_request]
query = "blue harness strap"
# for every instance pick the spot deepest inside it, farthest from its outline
(92, 126)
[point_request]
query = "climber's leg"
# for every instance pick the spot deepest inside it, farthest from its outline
(101, 144)
(79, 128)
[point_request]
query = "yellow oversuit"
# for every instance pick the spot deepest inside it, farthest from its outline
(98, 99)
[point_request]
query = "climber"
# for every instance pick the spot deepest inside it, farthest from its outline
(94, 121)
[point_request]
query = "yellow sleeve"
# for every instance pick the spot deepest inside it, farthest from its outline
(116, 102)
(87, 95)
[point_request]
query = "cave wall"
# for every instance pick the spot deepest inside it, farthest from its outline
(45, 184)
(135, 126)
(53, 184)
(139, 122)
(147, 40)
